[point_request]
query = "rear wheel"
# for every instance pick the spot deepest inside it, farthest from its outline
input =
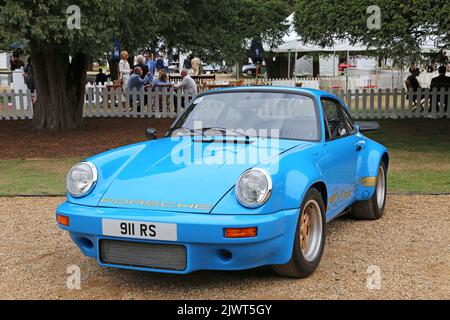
(373, 208)
(309, 238)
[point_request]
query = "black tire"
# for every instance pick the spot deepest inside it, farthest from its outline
(299, 266)
(370, 209)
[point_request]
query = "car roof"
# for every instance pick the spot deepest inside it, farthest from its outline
(308, 91)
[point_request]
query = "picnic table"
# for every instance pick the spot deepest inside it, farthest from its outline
(217, 85)
(199, 79)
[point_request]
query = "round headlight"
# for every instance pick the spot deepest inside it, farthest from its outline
(81, 179)
(253, 188)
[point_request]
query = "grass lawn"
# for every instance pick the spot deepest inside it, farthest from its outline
(30, 177)
(419, 154)
(419, 151)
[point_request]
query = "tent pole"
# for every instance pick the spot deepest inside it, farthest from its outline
(295, 63)
(289, 64)
(334, 63)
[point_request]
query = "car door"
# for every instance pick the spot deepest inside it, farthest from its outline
(341, 149)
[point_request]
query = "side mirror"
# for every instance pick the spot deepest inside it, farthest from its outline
(367, 126)
(151, 134)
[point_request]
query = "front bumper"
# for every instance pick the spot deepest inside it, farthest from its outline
(201, 234)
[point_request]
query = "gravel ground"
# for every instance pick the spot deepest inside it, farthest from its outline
(410, 245)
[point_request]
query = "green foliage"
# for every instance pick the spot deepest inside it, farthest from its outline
(45, 23)
(222, 29)
(210, 27)
(405, 25)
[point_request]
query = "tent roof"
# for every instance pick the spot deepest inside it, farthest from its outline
(292, 42)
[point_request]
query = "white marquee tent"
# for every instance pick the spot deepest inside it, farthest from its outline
(291, 42)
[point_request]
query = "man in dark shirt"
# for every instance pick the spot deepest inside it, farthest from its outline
(441, 81)
(412, 81)
(187, 63)
(141, 64)
(15, 62)
(160, 63)
(101, 78)
(432, 67)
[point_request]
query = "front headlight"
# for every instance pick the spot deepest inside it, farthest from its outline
(253, 188)
(81, 179)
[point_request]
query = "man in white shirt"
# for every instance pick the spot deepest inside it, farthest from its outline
(188, 84)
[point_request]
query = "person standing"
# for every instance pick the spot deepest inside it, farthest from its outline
(432, 67)
(150, 62)
(15, 62)
(124, 69)
(141, 64)
(196, 66)
(101, 78)
(441, 82)
(413, 83)
(187, 63)
(257, 55)
(159, 63)
(28, 76)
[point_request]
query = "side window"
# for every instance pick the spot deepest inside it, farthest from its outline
(348, 120)
(338, 126)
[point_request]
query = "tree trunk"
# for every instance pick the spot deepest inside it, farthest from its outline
(60, 88)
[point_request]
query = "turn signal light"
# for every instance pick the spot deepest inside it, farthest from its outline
(240, 232)
(63, 220)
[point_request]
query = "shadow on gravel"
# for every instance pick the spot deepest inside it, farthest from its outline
(200, 280)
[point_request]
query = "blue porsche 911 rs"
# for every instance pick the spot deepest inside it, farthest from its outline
(245, 177)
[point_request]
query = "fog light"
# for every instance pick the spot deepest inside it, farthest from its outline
(63, 220)
(240, 232)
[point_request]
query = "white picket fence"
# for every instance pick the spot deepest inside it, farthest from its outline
(167, 103)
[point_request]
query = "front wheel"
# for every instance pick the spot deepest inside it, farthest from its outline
(373, 209)
(309, 238)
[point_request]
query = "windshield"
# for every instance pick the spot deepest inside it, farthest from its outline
(253, 114)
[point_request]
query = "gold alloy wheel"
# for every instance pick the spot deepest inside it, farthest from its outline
(311, 230)
(305, 229)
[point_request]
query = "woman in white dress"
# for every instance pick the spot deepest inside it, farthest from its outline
(124, 69)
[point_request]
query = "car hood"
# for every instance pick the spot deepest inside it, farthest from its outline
(188, 174)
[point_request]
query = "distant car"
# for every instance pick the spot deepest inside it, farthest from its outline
(173, 68)
(249, 69)
(214, 69)
(254, 186)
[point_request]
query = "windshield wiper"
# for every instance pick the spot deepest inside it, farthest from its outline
(192, 131)
(225, 130)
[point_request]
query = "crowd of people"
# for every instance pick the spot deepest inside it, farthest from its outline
(442, 81)
(151, 73)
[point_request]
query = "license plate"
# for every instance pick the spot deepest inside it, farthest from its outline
(139, 230)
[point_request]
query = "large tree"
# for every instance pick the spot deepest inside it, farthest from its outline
(404, 25)
(60, 55)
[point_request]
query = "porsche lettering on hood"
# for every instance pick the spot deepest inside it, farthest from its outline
(153, 180)
(156, 204)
